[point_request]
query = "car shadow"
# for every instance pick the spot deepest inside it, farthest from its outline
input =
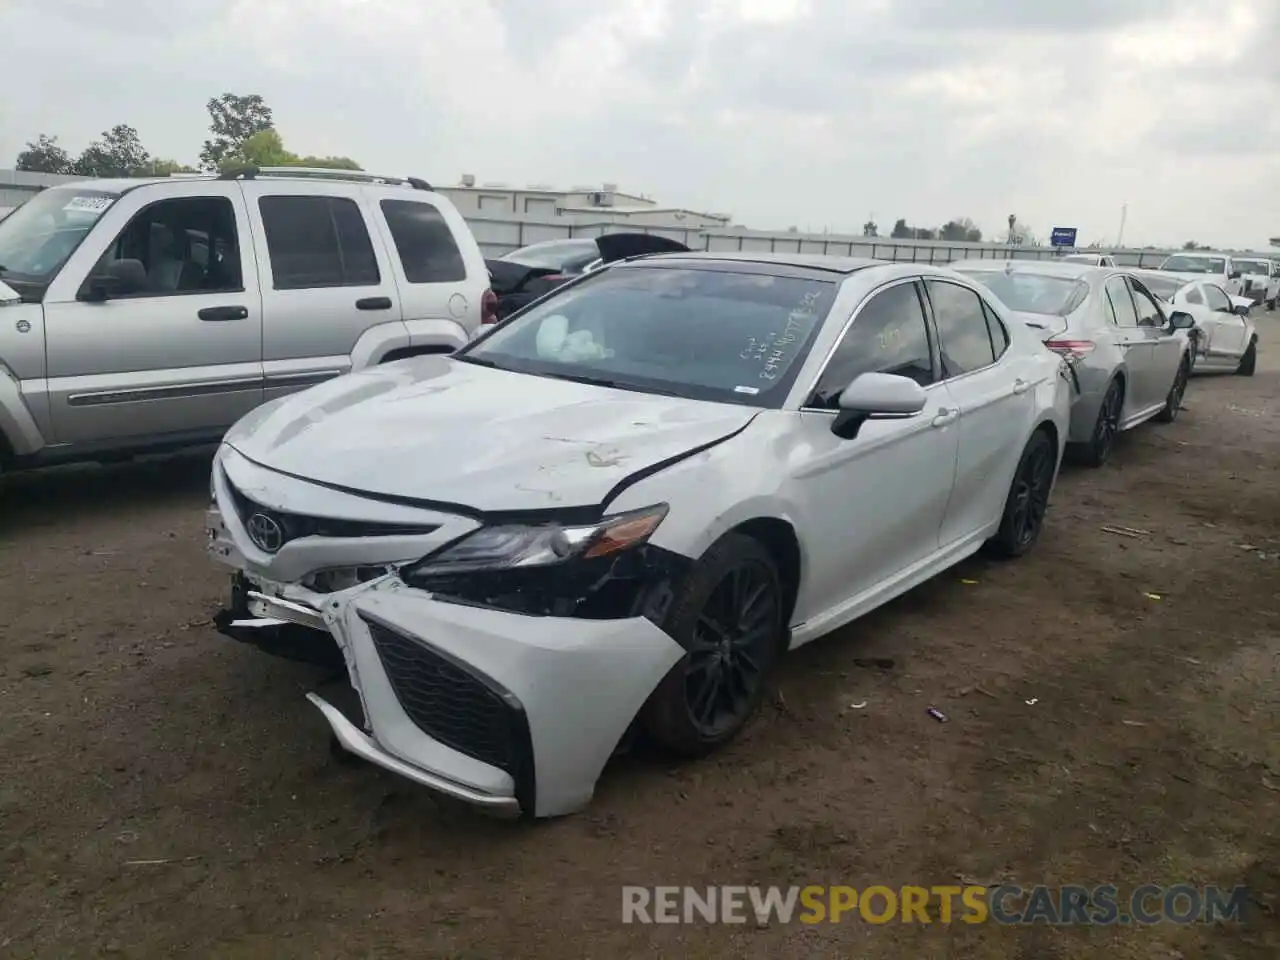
(56, 496)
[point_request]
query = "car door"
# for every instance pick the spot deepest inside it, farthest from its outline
(1166, 346)
(1136, 348)
(871, 507)
(995, 399)
(180, 355)
(440, 303)
(326, 278)
(1228, 335)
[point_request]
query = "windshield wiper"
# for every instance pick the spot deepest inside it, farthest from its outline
(478, 361)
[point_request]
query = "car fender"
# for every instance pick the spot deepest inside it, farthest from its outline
(18, 428)
(377, 342)
(712, 492)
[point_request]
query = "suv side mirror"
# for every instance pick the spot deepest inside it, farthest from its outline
(1235, 275)
(1181, 320)
(876, 396)
(119, 278)
(1240, 309)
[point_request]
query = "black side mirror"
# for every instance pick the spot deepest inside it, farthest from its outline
(1240, 309)
(118, 278)
(1235, 275)
(1180, 320)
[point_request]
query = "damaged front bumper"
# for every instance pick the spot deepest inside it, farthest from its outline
(515, 714)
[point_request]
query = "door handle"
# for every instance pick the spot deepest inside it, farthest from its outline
(1021, 386)
(218, 314)
(374, 303)
(944, 416)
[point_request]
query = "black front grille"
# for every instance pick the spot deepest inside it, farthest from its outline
(451, 704)
(296, 525)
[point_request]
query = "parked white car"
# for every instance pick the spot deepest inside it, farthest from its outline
(1261, 279)
(616, 509)
(1225, 339)
(1092, 259)
(1217, 267)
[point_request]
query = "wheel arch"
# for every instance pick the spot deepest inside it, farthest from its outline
(777, 536)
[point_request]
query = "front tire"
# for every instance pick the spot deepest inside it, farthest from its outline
(1028, 499)
(729, 616)
(1105, 429)
(1173, 402)
(1249, 362)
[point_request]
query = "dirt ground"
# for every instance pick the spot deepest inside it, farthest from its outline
(130, 731)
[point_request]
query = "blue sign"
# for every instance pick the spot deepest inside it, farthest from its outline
(1063, 237)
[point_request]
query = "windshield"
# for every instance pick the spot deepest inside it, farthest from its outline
(1033, 292)
(1162, 287)
(567, 255)
(37, 238)
(1252, 266)
(1181, 264)
(705, 334)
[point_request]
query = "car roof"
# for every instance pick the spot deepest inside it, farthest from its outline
(1067, 269)
(803, 261)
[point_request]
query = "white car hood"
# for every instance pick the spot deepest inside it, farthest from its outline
(441, 431)
(1192, 275)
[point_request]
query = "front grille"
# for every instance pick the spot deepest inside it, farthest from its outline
(296, 525)
(451, 704)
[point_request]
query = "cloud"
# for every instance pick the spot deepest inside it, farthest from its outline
(814, 113)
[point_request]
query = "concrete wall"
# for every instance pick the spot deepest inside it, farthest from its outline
(500, 232)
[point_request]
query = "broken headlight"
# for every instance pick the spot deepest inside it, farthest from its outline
(599, 570)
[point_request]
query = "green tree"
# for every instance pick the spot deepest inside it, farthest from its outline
(119, 153)
(901, 231)
(870, 229)
(233, 120)
(266, 149)
(43, 155)
(962, 230)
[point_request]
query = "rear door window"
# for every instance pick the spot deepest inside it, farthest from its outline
(1121, 303)
(424, 242)
(963, 338)
(317, 242)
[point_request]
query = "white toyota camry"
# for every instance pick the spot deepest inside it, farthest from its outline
(615, 510)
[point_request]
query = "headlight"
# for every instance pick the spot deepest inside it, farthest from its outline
(514, 547)
(604, 570)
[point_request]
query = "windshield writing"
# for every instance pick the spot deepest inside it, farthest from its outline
(37, 238)
(703, 334)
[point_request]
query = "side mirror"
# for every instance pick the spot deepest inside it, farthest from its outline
(1181, 320)
(1235, 275)
(119, 278)
(1240, 309)
(876, 396)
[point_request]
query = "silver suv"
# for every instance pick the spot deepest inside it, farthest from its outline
(142, 315)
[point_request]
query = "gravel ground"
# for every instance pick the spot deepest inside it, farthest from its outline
(130, 731)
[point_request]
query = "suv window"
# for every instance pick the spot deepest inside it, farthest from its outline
(1216, 299)
(317, 242)
(888, 335)
(963, 338)
(424, 242)
(1149, 314)
(173, 239)
(1121, 303)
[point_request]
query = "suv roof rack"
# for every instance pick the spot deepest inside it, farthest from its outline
(322, 173)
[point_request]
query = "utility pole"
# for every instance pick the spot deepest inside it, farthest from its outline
(1124, 213)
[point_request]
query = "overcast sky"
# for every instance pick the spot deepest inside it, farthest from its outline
(812, 113)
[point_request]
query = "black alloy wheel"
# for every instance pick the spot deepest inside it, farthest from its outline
(1173, 402)
(731, 646)
(730, 616)
(1105, 429)
(1028, 500)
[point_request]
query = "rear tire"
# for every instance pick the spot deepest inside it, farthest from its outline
(1106, 428)
(1249, 362)
(729, 615)
(1271, 304)
(1028, 499)
(1173, 402)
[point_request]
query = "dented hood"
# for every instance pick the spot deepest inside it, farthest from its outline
(441, 430)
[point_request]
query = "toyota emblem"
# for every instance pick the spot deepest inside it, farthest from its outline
(265, 532)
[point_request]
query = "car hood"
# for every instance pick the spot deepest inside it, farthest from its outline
(438, 430)
(619, 246)
(1192, 275)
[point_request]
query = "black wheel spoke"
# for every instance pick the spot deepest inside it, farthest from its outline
(733, 638)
